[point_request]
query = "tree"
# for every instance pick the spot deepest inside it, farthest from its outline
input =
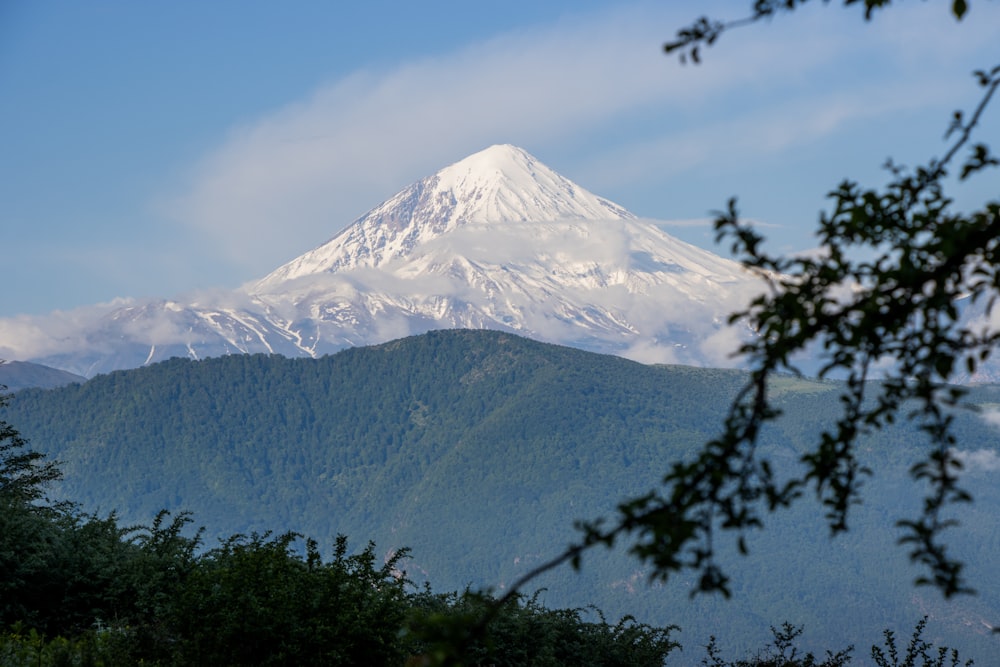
(27, 526)
(902, 307)
(23, 474)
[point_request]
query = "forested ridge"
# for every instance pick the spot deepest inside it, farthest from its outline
(478, 450)
(412, 416)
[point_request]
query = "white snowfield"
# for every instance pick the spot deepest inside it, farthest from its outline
(497, 240)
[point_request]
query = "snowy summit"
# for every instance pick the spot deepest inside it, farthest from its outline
(496, 241)
(502, 183)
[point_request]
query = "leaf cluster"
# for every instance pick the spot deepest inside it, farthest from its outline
(24, 474)
(919, 652)
(521, 631)
(784, 652)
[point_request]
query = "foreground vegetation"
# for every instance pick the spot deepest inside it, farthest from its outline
(81, 589)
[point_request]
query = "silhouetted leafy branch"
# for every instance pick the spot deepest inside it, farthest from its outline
(890, 327)
(705, 32)
(897, 315)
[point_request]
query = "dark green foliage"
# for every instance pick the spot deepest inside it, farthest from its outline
(144, 593)
(82, 590)
(64, 573)
(163, 557)
(30, 538)
(27, 540)
(523, 632)
(782, 652)
(23, 473)
(919, 652)
(21, 647)
(100, 594)
(253, 601)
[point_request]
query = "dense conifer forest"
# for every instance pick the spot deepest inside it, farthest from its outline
(465, 457)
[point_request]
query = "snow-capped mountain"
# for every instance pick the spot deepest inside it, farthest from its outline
(500, 185)
(497, 240)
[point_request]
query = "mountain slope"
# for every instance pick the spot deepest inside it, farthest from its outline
(15, 375)
(495, 241)
(479, 449)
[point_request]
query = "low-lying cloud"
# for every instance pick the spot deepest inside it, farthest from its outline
(978, 460)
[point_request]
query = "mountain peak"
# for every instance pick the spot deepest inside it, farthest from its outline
(498, 159)
(501, 166)
(499, 184)
(504, 183)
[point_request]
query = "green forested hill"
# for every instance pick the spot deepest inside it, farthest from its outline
(478, 450)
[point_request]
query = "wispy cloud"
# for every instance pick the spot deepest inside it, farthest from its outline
(318, 163)
(978, 460)
(300, 174)
(32, 336)
(307, 170)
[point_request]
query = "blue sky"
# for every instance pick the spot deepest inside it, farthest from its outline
(149, 149)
